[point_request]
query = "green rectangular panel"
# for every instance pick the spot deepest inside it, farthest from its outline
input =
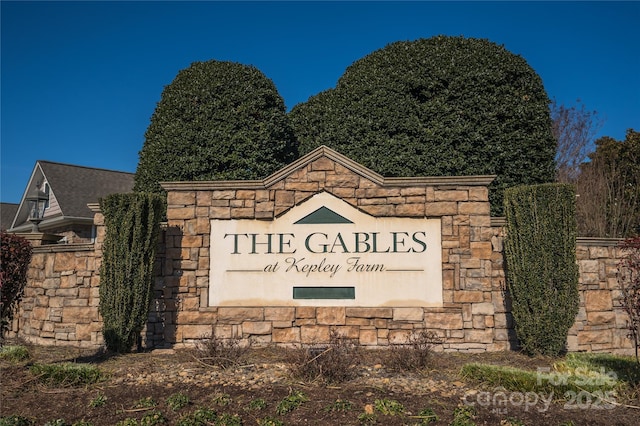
(324, 293)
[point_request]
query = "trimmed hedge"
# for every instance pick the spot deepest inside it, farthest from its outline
(126, 274)
(216, 121)
(541, 268)
(442, 106)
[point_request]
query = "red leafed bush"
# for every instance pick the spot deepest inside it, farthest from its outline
(15, 255)
(630, 285)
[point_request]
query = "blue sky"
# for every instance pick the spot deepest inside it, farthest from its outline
(80, 80)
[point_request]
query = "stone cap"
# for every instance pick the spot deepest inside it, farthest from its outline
(324, 151)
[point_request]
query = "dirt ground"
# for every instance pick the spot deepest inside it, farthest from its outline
(161, 374)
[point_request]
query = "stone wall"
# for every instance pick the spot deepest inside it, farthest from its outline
(60, 303)
(466, 321)
(601, 324)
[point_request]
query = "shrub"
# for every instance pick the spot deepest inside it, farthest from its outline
(15, 255)
(541, 268)
(14, 353)
(415, 353)
(630, 287)
(442, 106)
(215, 351)
(126, 275)
(332, 363)
(575, 374)
(67, 374)
(216, 120)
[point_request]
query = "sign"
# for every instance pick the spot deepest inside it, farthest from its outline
(325, 252)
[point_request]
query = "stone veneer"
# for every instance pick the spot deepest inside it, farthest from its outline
(601, 323)
(60, 304)
(60, 301)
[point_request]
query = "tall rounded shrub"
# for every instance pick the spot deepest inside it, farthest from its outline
(216, 120)
(132, 224)
(541, 268)
(441, 106)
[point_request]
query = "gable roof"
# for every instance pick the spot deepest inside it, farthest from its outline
(71, 188)
(75, 186)
(7, 213)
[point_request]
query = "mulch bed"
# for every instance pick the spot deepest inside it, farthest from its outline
(162, 373)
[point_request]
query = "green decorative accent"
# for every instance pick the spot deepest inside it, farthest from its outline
(324, 293)
(322, 215)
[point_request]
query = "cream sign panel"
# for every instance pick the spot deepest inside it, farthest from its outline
(325, 252)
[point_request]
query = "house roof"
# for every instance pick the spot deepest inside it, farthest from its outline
(75, 186)
(71, 188)
(7, 213)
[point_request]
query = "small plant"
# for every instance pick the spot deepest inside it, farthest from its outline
(367, 418)
(15, 421)
(333, 363)
(146, 402)
(415, 353)
(82, 423)
(177, 401)
(222, 399)
(463, 416)
(291, 402)
(426, 416)
(153, 418)
(200, 417)
(511, 422)
(215, 351)
(127, 422)
(56, 422)
(270, 421)
(339, 405)
(98, 401)
(67, 374)
(14, 353)
(389, 407)
(229, 420)
(257, 404)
